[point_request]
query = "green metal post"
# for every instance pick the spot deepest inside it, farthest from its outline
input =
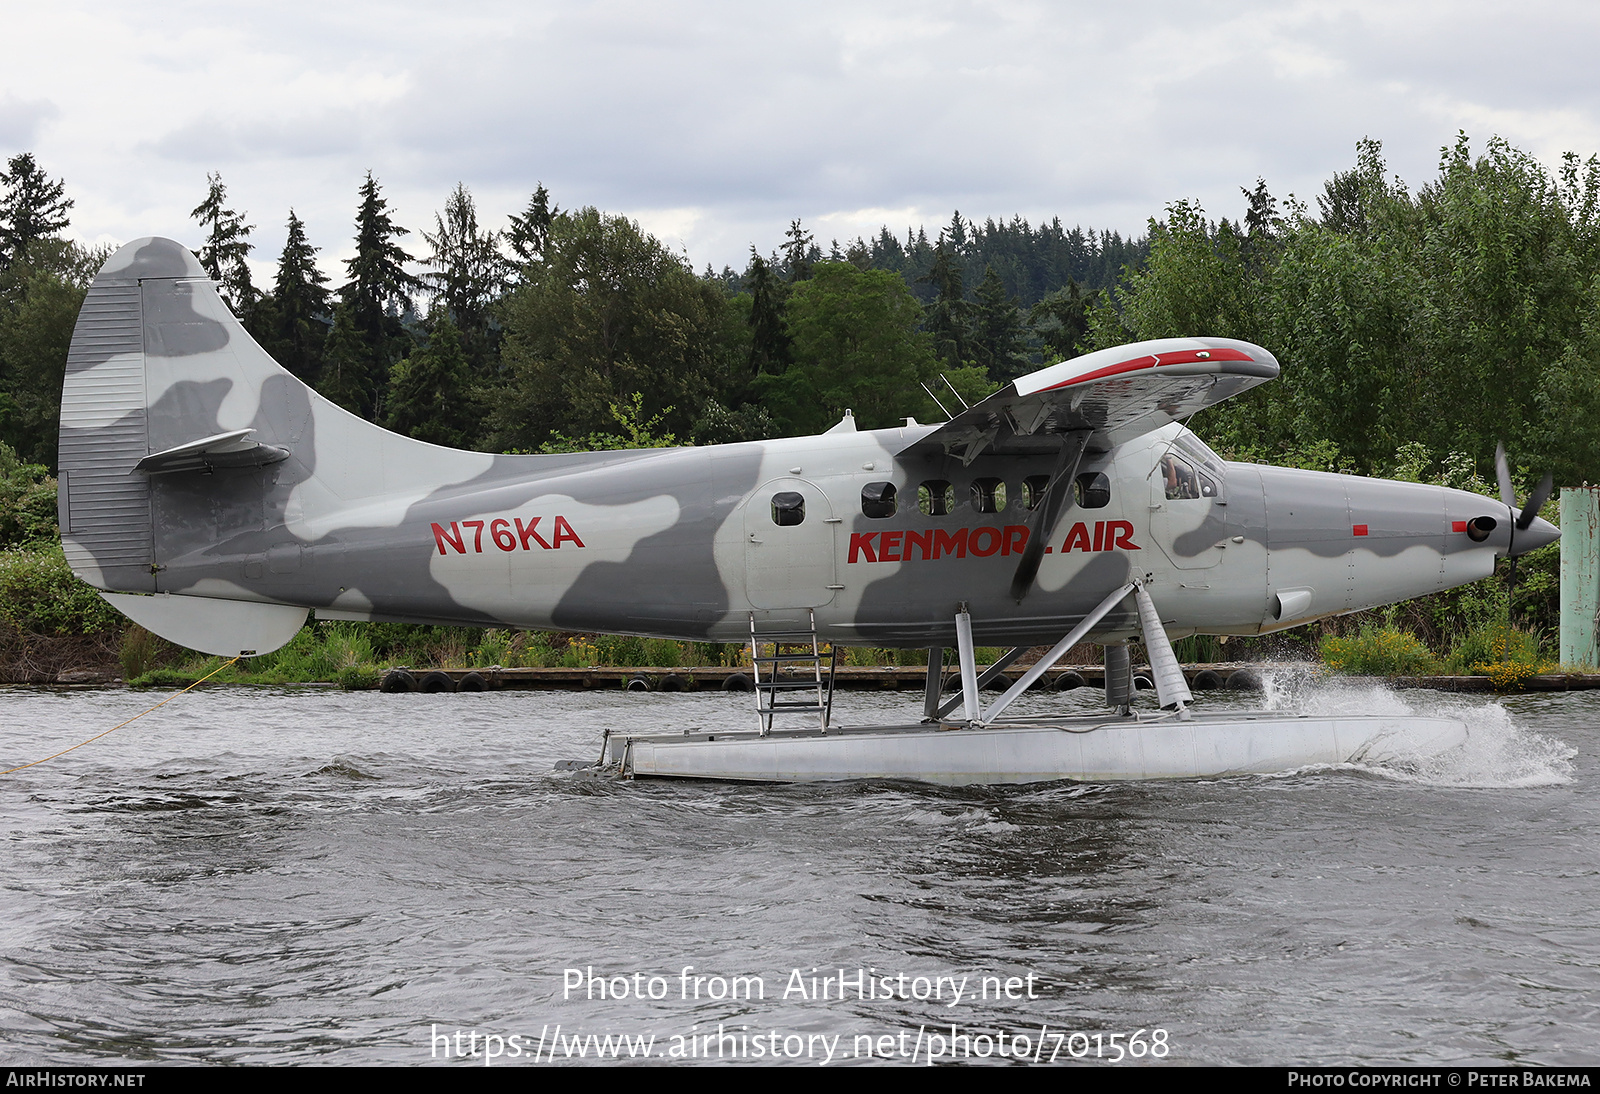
(1580, 574)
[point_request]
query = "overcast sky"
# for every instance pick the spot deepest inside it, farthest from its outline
(715, 124)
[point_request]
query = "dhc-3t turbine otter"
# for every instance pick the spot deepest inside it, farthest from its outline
(1070, 506)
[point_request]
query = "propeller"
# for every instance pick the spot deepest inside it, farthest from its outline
(1522, 519)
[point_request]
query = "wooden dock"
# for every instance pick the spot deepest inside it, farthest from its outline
(1236, 675)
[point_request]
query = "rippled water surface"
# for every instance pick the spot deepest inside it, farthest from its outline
(312, 876)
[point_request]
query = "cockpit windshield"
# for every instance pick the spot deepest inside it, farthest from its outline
(1197, 452)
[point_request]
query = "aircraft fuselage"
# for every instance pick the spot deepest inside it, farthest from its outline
(686, 542)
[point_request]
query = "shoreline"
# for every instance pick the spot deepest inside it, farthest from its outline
(911, 678)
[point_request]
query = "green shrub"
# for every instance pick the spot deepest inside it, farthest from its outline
(39, 594)
(168, 678)
(625, 650)
(1378, 651)
(358, 678)
(27, 501)
(663, 653)
(142, 651)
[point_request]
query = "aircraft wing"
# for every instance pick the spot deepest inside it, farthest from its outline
(1117, 394)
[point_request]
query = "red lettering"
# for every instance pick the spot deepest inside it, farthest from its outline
(1016, 538)
(500, 530)
(889, 546)
(861, 543)
(530, 532)
(1124, 533)
(452, 537)
(946, 544)
(1077, 539)
(1099, 535)
(564, 533)
(915, 540)
(477, 543)
(979, 533)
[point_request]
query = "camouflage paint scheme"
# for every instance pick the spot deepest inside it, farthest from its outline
(318, 508)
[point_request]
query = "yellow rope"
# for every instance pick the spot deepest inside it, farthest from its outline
(135, 718)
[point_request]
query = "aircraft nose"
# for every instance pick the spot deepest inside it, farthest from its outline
(1536, 535)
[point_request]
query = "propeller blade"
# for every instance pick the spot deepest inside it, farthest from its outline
(1541, 494)
(1502, 471)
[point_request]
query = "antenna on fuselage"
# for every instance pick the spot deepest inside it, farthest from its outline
(935, 399)
(964, 404)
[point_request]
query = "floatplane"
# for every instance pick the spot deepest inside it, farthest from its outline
(216, 500)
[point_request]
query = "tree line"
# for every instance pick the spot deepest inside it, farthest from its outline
(1416, 327)
(1412, 327)
(575, 328)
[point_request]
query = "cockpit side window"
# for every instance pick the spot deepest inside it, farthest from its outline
(1184, 481)
(1179, 478)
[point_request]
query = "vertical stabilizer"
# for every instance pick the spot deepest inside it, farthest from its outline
(105, 508)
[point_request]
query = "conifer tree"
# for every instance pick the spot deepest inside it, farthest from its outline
(301, 305)
(468, 271)
(31, 208)
(529, 233)
(345, 375)
(769, 336)
(1061, 321)
(430, 391)
(227, 244)
(799, 253)
(998, 339)
(378, 290)
(947, 315)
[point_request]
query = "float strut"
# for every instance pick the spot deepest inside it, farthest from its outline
(1171, 689)
(1057, 652)
(934, 683)
(988, 674)
(969, 670)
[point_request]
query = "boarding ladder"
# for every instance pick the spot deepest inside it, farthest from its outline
(793, 668)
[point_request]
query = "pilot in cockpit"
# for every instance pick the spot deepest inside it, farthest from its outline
(1179, 478)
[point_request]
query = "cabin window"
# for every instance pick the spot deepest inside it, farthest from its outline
(1091, 490)
(936, 498)
(788, 508)
(989, 495)
(878, 499)
(1208, 488)
(1033, 488)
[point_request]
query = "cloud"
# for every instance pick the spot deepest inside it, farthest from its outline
(20, 120)
(719, 123)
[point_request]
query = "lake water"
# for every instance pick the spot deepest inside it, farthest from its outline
(298, 875)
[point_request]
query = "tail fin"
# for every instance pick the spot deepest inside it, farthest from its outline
(190, 461)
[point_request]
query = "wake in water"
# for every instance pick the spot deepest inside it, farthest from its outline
(1497, 753)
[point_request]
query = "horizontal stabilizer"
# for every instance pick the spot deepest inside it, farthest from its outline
(1115, 394)
(233, 449)
(228, 628)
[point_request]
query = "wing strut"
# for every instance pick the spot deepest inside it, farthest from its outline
(1042, 520)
